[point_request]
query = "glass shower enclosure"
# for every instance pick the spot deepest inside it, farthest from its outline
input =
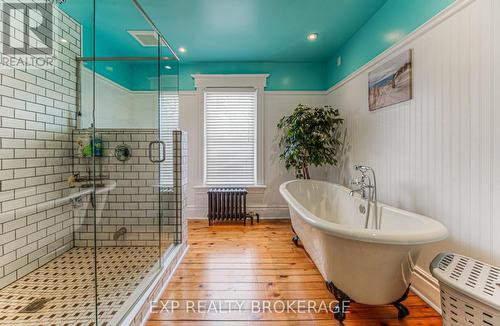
(127, 112)
(107, 141)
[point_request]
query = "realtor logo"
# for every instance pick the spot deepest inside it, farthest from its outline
(27, 28)
(27, 34)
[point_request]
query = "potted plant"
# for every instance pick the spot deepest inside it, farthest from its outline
(309, 136)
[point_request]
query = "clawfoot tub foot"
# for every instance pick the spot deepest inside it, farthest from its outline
(295, 238)
(338, 312)
(340, 309)
(402, 310)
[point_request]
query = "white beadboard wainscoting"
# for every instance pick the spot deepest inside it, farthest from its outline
(438, 154)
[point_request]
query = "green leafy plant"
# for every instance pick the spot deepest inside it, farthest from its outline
(309, 136)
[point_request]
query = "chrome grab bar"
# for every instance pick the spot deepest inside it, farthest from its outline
(162, 151)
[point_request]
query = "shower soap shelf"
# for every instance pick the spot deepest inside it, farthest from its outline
(470, 290)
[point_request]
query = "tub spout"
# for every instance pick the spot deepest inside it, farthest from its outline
(352, 192)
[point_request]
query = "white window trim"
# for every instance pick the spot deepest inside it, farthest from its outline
(202, 82)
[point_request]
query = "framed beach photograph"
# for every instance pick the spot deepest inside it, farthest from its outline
(391, 83)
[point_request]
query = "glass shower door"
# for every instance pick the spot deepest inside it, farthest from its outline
(128, 220)
(169, 135)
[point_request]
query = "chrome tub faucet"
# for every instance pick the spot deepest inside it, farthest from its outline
(367, 188)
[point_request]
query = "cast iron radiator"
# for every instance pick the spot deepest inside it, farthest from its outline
(226, 204)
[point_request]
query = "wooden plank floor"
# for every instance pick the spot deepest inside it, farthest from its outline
(255, 264)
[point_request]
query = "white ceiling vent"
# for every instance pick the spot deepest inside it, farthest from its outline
(145, 38)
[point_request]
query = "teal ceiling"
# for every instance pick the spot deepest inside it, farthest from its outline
(226, 30)
(113, 20)
(390, 24)
(258, 30)
(248, 36)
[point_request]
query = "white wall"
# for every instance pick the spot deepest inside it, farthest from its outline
(268, 201)
(439, 153)
(116, 106)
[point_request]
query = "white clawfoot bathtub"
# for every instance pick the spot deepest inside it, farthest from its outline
(370, 266)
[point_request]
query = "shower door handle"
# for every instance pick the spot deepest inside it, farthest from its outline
(163, 150)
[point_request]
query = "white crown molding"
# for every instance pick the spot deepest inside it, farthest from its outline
(286, 93)
(194, 92)
(231, 80)
(449, 11)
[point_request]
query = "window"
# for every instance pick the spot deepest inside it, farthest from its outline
(169, 121)
(230, 137)
(233, 151)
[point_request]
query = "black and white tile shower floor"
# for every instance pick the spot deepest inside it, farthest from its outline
(67, 285)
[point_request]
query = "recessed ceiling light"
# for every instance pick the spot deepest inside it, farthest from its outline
(63, 40)
(312, 36)
(393, 36)
(182, 49)
(168, 67)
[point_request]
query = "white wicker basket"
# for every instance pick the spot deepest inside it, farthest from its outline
(470, 290)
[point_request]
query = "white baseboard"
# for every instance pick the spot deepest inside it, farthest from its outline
(426, 287)
(265, 212)
(262, 218)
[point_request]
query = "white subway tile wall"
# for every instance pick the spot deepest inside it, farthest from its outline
(75, 266)
(37, 115)
(135, 202)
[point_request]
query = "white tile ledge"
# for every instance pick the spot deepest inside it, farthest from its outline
(83, 192)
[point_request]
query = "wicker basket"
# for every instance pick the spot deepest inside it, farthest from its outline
(470, 290)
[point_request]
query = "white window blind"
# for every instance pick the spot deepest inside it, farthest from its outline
(230, 137)
(169, 121)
